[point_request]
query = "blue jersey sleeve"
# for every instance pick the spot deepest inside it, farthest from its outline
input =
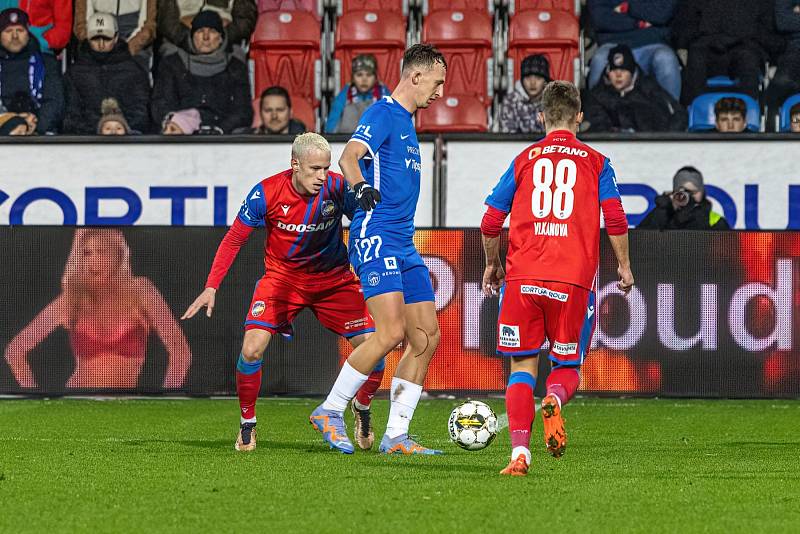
(254, 208)
(350, 204)
(502, 195)
(608, 182)
(374, 127)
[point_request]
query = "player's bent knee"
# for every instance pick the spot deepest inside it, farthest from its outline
(252, 355)
(390, 337)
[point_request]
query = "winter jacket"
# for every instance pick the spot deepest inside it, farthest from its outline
(695, 216)
(45, 98)
(135, 18)
(647, 107)
(222, 99)
(787, 21)
(519, 114)
(348, 106)
(724, 24)
(51, 21)
(633, 22)
(95, 76)
(174, 18)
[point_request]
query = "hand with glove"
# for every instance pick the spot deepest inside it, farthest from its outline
(366, 196)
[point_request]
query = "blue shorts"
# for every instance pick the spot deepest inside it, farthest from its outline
(406, 273)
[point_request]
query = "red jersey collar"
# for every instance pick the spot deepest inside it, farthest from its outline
(565, 133)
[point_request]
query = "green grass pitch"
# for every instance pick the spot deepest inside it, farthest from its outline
(169, 466)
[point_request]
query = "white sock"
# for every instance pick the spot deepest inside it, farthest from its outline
(405, 396)
(243, 420)
(521, 450)
(345, 388)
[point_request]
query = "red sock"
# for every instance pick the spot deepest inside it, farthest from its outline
(367, 391)
(248, 384)
(563, 383)
(520, 408)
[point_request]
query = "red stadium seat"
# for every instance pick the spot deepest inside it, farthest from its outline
(465, 39)
(556, 34)
(570, 6)
(302, 110)
(382, 34)
(454, 113)
(285, 51)
(430, 6)
(310, 6)
(394, 6)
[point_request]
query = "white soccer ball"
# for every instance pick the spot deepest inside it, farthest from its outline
(472, 425)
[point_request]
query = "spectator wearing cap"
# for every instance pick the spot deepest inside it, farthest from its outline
(643, 25)
(136, 21)
(206, 77)
(275, 114)
(175, 18)
(520, 110)
(30, 82)
(112, 120)
(685, 207)
(363, 90)
(730, 115)
(731, 38)
(104, 68)
(786, 81)
(183, 122)
(630, 101)
(50, 21)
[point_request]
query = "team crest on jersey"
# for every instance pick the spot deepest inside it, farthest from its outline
(373, 278)
(328, 208)
(509, 335)
(258, 308)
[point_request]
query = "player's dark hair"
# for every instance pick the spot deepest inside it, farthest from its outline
(730, 104)
(423, 56)
(276, 90)
(561, 101)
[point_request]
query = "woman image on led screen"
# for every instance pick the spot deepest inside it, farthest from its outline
(108, 313)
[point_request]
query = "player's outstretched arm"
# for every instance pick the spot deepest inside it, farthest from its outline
(366, 196)
(620, 245)
(205, 300)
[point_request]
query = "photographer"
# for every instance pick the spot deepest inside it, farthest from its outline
(685, 207)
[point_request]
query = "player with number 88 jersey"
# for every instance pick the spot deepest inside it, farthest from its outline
(554, 190)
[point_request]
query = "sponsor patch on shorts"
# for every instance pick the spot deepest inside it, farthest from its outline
(509, 335)
(258, 308)
(565, 348)
(373, 278)
(543, 292)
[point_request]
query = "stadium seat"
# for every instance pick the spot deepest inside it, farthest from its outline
(382, 34)
(285, 51)
(454, 113)
(394, 6)
(310, 6)
(465, 38)
(570, 6)
(701, 112)
(786, 109)
(302, 110)
(556, 34)
(431, 6)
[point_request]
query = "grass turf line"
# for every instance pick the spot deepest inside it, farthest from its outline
(169, 466)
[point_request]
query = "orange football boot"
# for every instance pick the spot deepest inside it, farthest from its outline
(517, 467)
(555, 437)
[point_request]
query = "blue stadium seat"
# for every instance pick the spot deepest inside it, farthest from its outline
(786, 108)
(721, 81)
(701, 111)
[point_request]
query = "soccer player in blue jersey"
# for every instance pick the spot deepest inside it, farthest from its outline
(382, 164)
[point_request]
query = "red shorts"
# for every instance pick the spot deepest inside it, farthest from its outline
(338, 303)
(534, 310)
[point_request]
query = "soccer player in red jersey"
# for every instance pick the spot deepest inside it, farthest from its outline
(554, 190)
(306, 267)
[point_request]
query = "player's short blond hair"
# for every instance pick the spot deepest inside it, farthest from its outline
(303, 143)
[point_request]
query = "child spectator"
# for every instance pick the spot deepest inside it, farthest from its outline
(520, 110)
(363, 90)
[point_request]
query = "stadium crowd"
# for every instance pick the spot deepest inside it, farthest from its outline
(180, 67)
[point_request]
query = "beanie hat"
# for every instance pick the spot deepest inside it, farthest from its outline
(13, 16)
(621, 57)
(537, 65)
(365, 62)
(207, 19)
(688, 175)
(9, 121)
(111, 112)
(188, 120)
